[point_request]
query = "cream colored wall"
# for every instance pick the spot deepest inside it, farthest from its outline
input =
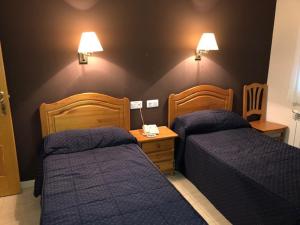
(284, 64)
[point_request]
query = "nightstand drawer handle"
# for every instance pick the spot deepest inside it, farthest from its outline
(158, 145)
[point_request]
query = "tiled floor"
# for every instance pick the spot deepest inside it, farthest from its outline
(24, 209)
(198, 200)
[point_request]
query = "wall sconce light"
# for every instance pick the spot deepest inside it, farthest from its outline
(89, 43)
(207, 43)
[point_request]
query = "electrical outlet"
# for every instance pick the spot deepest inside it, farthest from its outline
(152, 103)
(136, 104)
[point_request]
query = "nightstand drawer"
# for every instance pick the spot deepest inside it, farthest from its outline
(159, 149)
(157, 146)
(165, 166)
(162, 156)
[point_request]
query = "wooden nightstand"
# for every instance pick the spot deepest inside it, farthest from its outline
(159, 149)
(272, 129)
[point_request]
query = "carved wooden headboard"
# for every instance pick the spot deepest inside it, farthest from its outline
(87, 110)
(199, 98)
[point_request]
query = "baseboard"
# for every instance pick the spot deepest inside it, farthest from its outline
(27, 184)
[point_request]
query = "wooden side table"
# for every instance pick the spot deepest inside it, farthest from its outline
(275, 130)
(159, 149)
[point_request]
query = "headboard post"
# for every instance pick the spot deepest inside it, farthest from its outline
(87, 110)
(171, 110)
(199, 98)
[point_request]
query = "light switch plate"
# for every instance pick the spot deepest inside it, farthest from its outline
(136, 104)
(154, 103)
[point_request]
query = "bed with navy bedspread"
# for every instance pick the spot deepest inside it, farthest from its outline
(251, 178)
(101, 176)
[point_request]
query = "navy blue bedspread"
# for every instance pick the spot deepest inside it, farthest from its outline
(250, 177)
(201, 122)
(113, 185)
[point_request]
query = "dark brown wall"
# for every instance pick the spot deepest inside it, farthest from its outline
(148, 53)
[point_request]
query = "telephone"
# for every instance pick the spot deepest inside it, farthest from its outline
(150, 130)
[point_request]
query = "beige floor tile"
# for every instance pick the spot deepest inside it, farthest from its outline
(199, 202)
(21, 209)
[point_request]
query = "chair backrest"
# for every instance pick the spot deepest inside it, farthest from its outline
(255, 100)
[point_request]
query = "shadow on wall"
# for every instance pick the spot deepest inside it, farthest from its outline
(90, 77)
(75, 78)
(185, 74)
(200, 5)
(205, 5)
(188, 71)
(81, 5)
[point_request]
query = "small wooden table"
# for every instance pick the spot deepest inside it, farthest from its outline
(270, 128)
(160, 149)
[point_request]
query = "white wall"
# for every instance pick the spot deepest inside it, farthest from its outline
(284, 64)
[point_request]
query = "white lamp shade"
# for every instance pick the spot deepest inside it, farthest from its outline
(207, 42)
(89, 43)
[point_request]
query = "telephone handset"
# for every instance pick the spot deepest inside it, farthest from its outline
(150, 130)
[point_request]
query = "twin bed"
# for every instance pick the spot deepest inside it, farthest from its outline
(251, 178)
(95, 175)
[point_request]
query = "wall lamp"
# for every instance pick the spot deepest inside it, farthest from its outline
(207, 43)
(89, 43)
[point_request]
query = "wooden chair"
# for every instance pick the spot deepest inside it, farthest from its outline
(255, 104)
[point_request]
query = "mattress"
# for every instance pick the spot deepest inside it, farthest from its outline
(110, 185)
(251, 178)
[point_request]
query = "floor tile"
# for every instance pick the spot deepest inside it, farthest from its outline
(199, 202)
(21, 209)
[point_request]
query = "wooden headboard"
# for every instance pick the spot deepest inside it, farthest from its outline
(199, 98)
(87, 110)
